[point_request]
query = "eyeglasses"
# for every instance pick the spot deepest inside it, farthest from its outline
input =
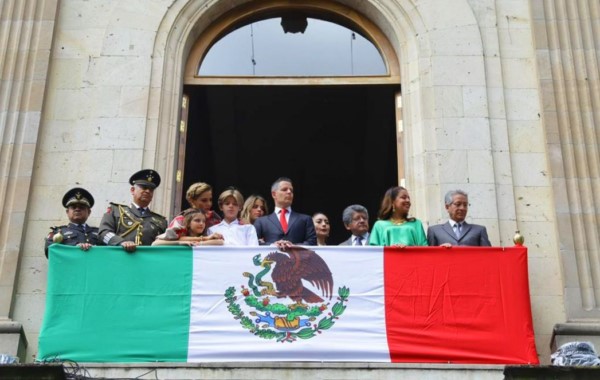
(458, 204)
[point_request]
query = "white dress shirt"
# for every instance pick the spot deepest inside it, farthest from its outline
(235, 233)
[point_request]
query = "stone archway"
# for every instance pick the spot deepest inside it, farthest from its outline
(337, 128)
(431, 72)
(179, 30)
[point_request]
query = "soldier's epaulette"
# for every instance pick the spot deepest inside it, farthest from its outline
(157, 214)
(111, 204)
(56, 228)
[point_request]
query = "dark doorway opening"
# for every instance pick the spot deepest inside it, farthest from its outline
(337, 143)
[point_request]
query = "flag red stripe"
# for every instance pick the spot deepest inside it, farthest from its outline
(458, 305)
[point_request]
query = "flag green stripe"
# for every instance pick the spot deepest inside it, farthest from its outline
(115, 310)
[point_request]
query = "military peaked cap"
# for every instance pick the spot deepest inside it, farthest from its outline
(146, 177)
(78, 195)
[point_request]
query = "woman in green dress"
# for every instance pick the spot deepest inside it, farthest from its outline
(394, 227)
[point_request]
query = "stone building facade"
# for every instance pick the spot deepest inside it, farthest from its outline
(91, 91)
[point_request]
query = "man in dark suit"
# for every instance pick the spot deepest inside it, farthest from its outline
(356, 220)
(284, 227)
(456, 231)
(134, 224)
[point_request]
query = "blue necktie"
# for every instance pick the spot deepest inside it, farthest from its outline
(457, 230)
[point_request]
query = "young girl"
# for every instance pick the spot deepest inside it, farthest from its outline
(233, 232)
(194, 222)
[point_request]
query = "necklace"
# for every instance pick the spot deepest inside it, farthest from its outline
(397, 221)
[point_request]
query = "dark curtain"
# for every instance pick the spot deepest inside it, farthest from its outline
(337, 144)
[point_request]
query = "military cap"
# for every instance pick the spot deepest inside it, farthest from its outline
(146, 177)
(78, 195)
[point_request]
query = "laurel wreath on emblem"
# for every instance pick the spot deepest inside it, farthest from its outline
(284, 323)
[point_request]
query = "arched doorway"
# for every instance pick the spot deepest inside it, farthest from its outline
(336, 137)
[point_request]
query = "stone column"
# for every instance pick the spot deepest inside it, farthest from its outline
(26, 30)
(567, 37)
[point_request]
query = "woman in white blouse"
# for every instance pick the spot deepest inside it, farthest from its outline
(235, 234)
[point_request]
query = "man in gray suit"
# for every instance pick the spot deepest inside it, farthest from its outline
(456, 231)
(356, 220)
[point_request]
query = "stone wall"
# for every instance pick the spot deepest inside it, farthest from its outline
(476, 115)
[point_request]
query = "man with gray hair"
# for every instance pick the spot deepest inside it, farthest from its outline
(456, 231)
(356, 220)
(285, 228)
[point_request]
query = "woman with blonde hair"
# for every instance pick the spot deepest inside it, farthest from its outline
(233, 232)
(394, 227)
(199, 196)
(254, 207)
(194, 222)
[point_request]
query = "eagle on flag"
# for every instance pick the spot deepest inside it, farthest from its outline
(295, 265)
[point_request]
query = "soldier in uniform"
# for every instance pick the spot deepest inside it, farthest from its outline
(78, 203)
(134, 224)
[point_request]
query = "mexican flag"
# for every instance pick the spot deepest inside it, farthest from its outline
(217, 304)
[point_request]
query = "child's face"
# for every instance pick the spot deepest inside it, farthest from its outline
(197, 224)
(230, 209)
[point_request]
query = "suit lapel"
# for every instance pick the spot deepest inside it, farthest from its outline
(448, 229)
(291, 220)
(275, 220)
(135, 211)
(465, 229)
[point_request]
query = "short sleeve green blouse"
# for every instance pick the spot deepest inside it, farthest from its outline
(386, 233)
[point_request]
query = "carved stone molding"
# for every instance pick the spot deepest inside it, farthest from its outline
(567, 37)
(26, 30)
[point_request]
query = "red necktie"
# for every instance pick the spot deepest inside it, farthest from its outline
(282, 220)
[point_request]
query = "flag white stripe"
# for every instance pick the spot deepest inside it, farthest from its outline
(358, 335)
